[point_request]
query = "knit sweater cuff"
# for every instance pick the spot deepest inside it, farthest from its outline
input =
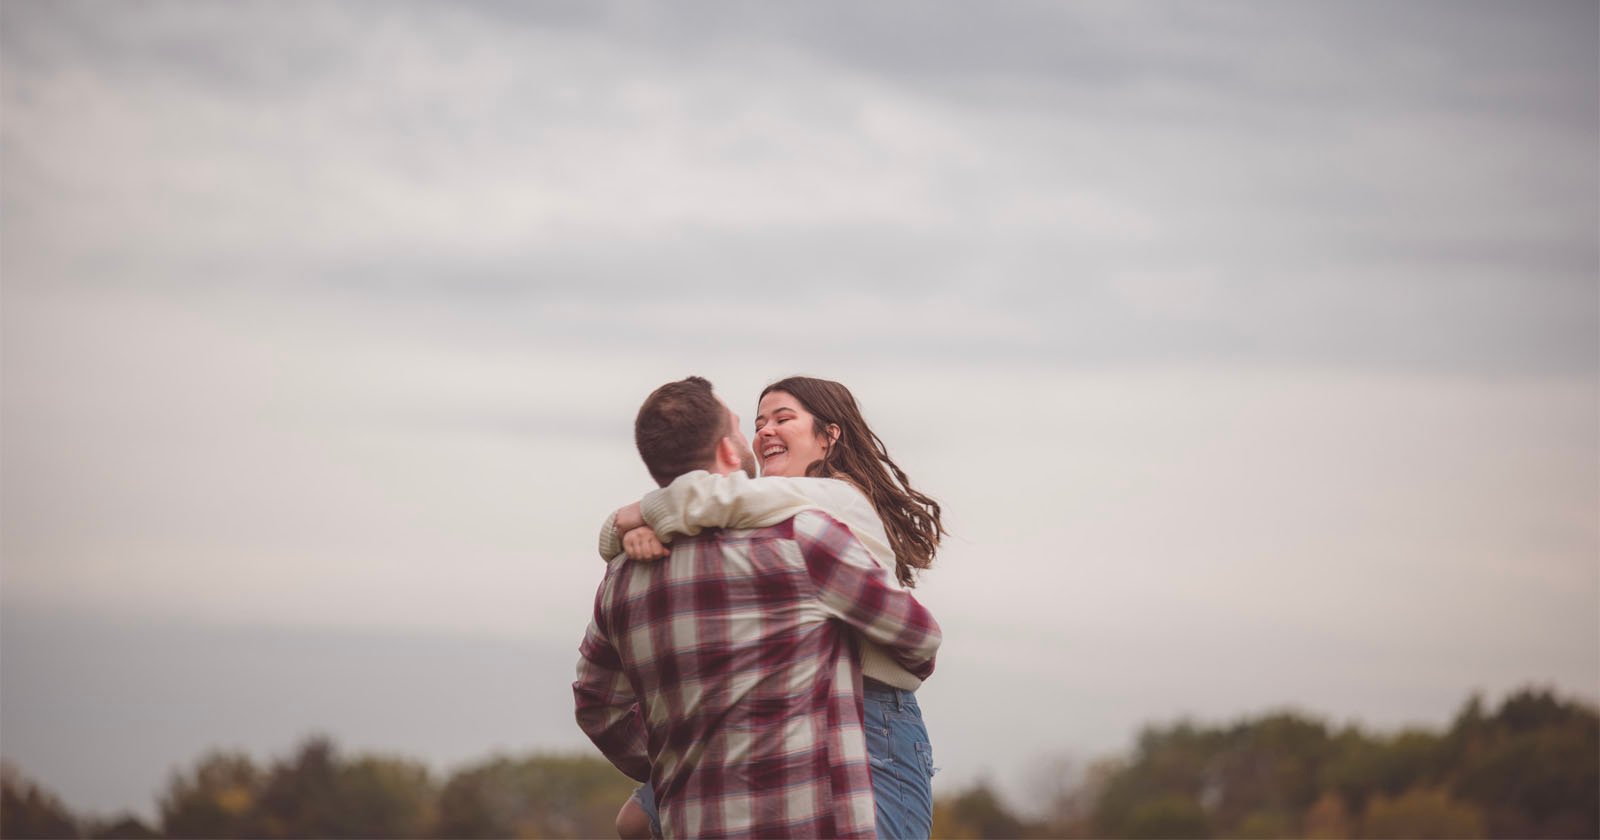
(610, 540)
(657, 511)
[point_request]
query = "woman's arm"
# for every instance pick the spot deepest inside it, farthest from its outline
(610, 538)
(698, 500)
(625, 530)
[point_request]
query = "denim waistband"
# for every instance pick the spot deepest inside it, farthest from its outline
(884, 691)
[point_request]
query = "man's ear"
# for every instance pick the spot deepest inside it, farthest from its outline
(727, 452)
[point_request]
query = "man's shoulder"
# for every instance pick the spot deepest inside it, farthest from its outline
(807, 524)
(811, 527)
(813, 521)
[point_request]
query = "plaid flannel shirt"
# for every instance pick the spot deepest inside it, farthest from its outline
(726, 676)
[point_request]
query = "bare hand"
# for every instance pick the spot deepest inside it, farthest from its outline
(628, 518)
(641, 544)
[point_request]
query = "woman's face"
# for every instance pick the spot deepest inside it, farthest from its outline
(786, 442)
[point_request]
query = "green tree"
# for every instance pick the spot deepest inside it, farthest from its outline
(1266, 772)
(1532, 768)
(300, 796)
(1070, 799)
(124, 827)
(537, 796)
(1172, 816)
(387, 797)
(27, 810)
(313, 793)
(1265, 825)
(1421, 814)
(1361, 767)
(1327, 819)
(1170, 765)
(1529, 769)
(318, 793)
(217, 799)
(1186, 777)
(975, 812)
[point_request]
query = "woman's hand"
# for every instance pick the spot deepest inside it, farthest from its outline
(629, 517)
(641, 544)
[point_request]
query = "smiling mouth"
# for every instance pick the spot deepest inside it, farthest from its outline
(772, 451)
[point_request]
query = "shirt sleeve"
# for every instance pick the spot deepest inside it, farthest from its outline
(857, 591)
(610, 540)
(607, 709)
(700, 499)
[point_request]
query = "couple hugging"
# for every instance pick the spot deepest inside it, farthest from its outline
(758, 677)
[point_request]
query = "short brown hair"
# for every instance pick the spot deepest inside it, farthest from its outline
(678, 428)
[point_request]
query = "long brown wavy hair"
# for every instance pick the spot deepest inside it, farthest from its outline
(910, 518)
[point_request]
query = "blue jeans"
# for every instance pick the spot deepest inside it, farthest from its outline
(646, 797)
(902, 761)
(902, 765)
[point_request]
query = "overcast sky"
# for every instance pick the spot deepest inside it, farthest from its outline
(1252, 349)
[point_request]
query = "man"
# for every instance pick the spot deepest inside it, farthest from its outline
(725, 675)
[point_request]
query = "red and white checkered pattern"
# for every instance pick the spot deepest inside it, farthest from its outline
(731, 670)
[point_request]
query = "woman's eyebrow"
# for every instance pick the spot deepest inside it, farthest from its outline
(775, 411)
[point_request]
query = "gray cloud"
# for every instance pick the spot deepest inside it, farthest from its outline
(1338, 184)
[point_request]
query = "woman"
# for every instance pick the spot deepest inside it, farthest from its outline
(811, 433)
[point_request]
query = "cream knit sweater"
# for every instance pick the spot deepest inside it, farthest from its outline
(700, 499)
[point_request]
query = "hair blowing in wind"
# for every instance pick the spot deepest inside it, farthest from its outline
(910, 518)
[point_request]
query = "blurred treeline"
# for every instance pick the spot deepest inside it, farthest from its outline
(1530, 768)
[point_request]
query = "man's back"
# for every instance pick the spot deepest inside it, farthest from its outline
(748, 686)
